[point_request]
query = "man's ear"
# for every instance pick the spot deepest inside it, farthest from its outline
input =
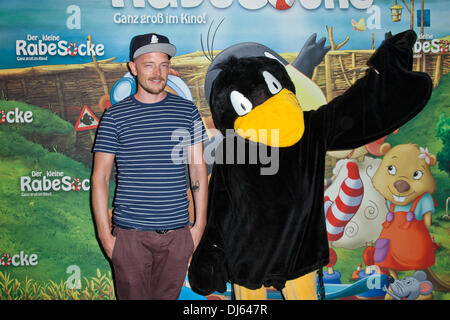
(132, 67)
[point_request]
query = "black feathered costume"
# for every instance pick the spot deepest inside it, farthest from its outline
(268, 229)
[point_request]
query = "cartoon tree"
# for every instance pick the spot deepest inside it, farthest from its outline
(443, 132)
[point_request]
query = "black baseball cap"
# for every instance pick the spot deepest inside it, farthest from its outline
(150, 42)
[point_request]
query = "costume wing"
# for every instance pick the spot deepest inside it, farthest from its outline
(311, 55)
(388, 96)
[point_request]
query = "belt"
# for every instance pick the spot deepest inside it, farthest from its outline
(160, 231)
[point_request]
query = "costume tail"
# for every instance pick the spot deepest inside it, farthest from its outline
(346, 204)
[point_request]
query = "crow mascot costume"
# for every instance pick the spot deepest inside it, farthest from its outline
(266, 222)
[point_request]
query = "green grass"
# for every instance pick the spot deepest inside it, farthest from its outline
(58, 228)
(44, 122)
(99, 287)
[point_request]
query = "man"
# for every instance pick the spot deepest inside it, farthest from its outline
(151, 241)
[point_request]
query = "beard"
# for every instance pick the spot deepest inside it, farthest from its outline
(154, 88)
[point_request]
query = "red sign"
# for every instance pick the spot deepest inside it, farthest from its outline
(87, 120)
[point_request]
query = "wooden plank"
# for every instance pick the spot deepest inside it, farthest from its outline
(59, 92)
(328, 80)
(47, 69)
(437, 70)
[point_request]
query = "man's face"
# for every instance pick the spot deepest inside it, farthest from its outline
(151, 70)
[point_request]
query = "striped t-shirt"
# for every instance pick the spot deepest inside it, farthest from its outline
(149, 142)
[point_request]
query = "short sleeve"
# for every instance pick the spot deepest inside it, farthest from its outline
(106, 140)
(426, 204)
(197, 130)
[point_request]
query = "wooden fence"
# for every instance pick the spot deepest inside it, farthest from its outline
(65, 89)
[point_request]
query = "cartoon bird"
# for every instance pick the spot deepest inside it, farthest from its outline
(87, 119)
(360, 25)
(300, 70)
(268, 228)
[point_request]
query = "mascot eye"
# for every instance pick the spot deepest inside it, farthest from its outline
(271, 56)
(392, 170)
(240, 103)
(417, 175)
(272, 83)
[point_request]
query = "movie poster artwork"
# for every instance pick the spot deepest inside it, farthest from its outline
(62, 63)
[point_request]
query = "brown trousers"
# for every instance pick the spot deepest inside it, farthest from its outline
(150, 266)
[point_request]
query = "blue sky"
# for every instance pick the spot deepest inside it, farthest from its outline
(283, 31)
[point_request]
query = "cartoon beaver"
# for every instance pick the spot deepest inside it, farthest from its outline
(405, 180)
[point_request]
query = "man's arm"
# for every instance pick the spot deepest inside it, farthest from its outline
(199, 187)
(103, 164)
(207, 270)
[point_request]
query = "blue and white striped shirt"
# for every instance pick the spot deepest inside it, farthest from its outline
(149, 142)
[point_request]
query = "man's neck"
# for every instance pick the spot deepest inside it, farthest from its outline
(146, 97)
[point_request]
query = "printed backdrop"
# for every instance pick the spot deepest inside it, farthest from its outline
(59, 61)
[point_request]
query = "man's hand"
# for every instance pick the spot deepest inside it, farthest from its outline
(108, 243)
(197, 233)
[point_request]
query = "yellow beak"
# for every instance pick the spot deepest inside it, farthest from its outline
(278, 122)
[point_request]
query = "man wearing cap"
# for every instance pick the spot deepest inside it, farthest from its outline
(151, 240)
